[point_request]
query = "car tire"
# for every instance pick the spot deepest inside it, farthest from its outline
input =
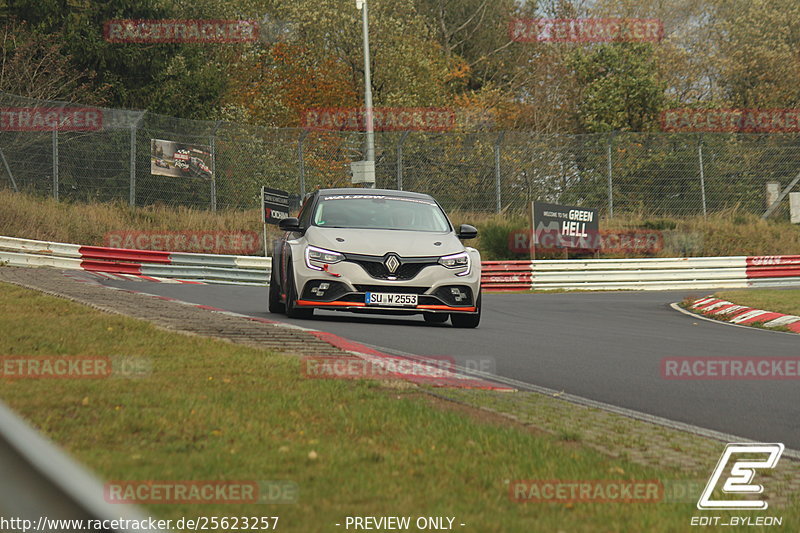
(435, 318)
(275, 304)
(467, 321)
(292, 311)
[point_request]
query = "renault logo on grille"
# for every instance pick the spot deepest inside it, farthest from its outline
(392, 263)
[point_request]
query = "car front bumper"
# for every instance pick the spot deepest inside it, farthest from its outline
(438, 289)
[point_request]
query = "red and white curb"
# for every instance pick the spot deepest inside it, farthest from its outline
(742, 315)
(428, 374)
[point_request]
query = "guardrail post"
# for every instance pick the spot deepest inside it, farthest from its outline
(498, 204)
(702, 173)
(302, 164)
(55, 163)
(400, 160)
(610, 176)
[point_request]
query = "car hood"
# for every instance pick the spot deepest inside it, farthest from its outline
(381, 241)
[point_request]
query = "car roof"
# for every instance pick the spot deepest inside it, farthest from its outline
(359, 190)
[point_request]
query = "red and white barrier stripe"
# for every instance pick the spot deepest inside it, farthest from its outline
(643, 274)
(146, 264)
(739, 314)
(589, 274)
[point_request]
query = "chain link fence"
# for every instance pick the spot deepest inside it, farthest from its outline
(661, 174)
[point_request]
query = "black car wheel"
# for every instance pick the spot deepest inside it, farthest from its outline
(275, 304)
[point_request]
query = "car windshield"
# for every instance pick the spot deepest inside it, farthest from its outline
(367, 211)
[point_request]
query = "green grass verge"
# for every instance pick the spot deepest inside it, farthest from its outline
(211, 410)
(778, 300)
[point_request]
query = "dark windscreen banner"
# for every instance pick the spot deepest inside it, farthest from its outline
(275, 205)
(564, 226)
(180, 160)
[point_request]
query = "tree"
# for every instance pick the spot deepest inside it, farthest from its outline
(755, 52)
(620, 89)
(178, 79)
(35, 65)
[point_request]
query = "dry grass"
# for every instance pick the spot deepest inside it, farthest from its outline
(724, 233)
(730, 232)
(45, 219)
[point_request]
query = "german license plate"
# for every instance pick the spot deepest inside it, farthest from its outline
(391, 299)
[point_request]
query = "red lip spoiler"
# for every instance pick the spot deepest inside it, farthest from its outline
(362, 304)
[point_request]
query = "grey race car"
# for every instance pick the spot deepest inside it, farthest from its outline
(376, 251)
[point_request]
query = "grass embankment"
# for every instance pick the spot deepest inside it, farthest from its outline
(31, 217)
(211, 410)
(780, 301)
(726, 233)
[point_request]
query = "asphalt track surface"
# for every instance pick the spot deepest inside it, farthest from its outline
(606, 347)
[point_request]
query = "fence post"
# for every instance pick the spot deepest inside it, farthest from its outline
(610, 178)
(400, 160)
(702, 173)
(55, 162)
(498, 203)
(132, 166)
(300, 142)
(8, 170)
(213, 144)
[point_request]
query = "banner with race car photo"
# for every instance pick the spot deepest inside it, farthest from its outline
(564, 226)
(180, 160)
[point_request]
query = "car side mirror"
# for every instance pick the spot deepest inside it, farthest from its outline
(290, 224)
(465, 231)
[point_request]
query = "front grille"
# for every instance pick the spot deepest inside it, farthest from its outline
(375, 267)
(389, 288)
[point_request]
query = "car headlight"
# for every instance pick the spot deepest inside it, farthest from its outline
(321, 255)
(456, 261)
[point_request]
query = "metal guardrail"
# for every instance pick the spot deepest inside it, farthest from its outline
(643, 274)
(589, 274)
(43, 485)
(157, 264)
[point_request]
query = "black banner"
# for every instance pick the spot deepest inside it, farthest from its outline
(275, 205)
(564, 226)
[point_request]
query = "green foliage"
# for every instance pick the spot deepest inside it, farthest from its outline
(494, 235)
(659, 223)
(176, 79)
(620, 87)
